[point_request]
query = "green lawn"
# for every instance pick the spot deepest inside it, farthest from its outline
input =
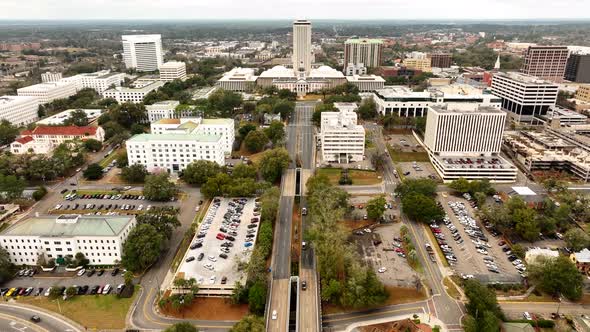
(402, 156)
(359, 177)
(102, 312)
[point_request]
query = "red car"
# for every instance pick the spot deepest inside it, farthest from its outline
(220, 236)
(436, 230)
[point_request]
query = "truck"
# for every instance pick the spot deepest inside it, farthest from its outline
(430, 252)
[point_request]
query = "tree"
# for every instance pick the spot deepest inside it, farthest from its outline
(55, 292)
(128, 277)
(137, 129)
(11, 186)
(71, 291)
(421, 208)
(257, 297)
(8, 132)
(368, 109)
(198, 172)
(576, 239)
(558, 276)
(425, 187)
(182, 327)
(77, 118)
(163, 219)
(245, 171)
(93, 172)
(273, 163)
(142, 248)
(525, 224)
(122, 159)
(269, 204)
(275, 132)
(255, 141)
(159, 188)
(483, 306)
(39, 193)
(215, 185)
(249, 323)
(224, 102)
(135, 173)
(246, 128)
(7, 269)
(92, 145)
(127, 114)
(460, 185)
(284, 108)
(376, 207)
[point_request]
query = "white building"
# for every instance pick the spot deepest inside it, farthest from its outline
(363, 51)
(50, 77)
(43, 139)
(564, 116)
(173, 70)
(302, 46)
(351, 69)
(99, 81)
(59, 118)
(19, 110)
(467, 143)
(198, 126)
(366, 83)
(405, 102)
(162, 110)
(99, 238)
(133, 95)
(342, 139)
(173, 152)
(238, 79)
(142, 52)
(48, 92)
(523, 96)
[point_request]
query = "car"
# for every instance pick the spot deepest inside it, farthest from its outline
(274, 315)
(382, 269)
(223, 255)
(230, 238)
(47, 292)
(303, 285)
(83, 290)
(106, 289)
(196, 245)
(212, 279)
(100, 273)
(115, 272)
(304, 211)
(367, 230)
(90, 273)
(212, 258)
(527, 316)
(94, 290)
(35, 319)
(120, 288)
(190, 259)
(223, 280)
(81, 272)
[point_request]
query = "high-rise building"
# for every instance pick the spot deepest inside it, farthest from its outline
(456, 152)
(546, 62)
(302, 46)
(441, 60)
(524, 96)
(142, 52)
(578, 68)
(172, 70)
(50, 77)
(365, 52)
(343, 140)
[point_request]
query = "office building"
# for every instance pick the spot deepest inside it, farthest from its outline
(367, 52)
(583, 93)
(302, 46)
(546, 62)
(564, 117)
(43, 139)
(366, 83)
(285, 78)
(173, 152)
(405, 102)
(132, 95)
(173, 70)
(99, 238)
(198, 126)
(352, 69)
(523, 96)
(578, 68)
(342, 139)
(456, 152)
(59, 118)
(19, 110)
(48, 92)
(162, 110)
(142, 52)
(99, 81)
(238, 79)
(441, 60)
(50, 77)
(418, 61)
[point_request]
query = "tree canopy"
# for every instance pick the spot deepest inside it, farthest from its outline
(273, 163)
(142, 247)
(93, 172)
(558, 276)
(159, 188)
(135, 173)
(376, 207)
(198, 172)
(255, 141)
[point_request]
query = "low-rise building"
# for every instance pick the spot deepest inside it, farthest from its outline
(132, 95)
(59, 118)
(366, 83)
(43, 139)
(99, 238)
(342, 139)
(99, 81)
(173, 70)
(50, 91)
(162, 110)
(198, 126)
(564, 116)
(238, 79)
(583, 93)
(19, 110)
(582, 260)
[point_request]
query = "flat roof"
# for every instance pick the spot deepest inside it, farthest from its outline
(474, 163)
(175, 137)
(364, 41)
(446, 108)
(145, 88)
(70, 225)
(217, 121)
(524, 191)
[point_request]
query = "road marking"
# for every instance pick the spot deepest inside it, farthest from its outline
(373, 314)
(14, 321)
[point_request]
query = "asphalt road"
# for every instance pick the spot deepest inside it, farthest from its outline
(17, 318)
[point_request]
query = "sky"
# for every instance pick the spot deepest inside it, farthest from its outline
(291, 9)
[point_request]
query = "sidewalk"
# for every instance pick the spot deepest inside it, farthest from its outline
(424, 318)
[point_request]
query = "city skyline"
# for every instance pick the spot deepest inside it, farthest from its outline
(291, 9)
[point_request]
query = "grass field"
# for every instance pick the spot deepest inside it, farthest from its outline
(403, 156)
(451, 288)
(112, 156)
(359, 177)
(91, 311)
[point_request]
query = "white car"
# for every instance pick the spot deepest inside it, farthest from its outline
(527, 316)
(367, 230)
(81, 272)
(274, 315)
(212, 280)
(382, 269)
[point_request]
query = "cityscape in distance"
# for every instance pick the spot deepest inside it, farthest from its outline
(206, 167)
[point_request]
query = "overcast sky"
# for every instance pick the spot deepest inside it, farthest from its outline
(290, 9)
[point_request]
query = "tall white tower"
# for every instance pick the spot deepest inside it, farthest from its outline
(302, 46)
(497, 64)
(143, 52)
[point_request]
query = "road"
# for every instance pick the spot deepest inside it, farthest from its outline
(309, 302)
(18, 318)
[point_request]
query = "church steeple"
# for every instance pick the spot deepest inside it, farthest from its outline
(497, 65)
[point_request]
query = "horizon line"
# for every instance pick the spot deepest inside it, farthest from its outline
(290, 19)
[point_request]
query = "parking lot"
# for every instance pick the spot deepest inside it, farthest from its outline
(391, 266)
(416, 170)
(476, 251)
(359, 208)
(225, 238)
(46, 280)
(106, 204)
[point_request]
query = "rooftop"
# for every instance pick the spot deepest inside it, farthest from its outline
(70, 225)
(61, 130)
(175, 137)
(4, 100)
(486, 162)
(171, 103)
(139, 38)
(45, 86)
(446, 108)
(172, 64)
(524, 78)
(364, 41)
(146, 88)
(583, 256)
